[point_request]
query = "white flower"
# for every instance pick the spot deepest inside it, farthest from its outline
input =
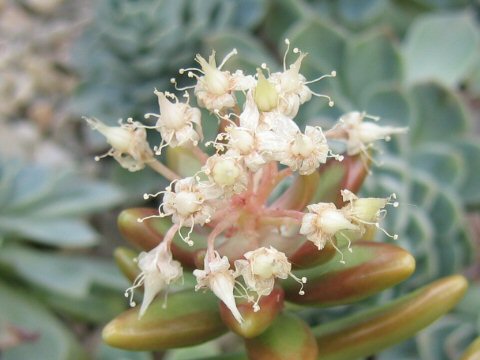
(366, 211)
(242, 139)
(178, 123)
(214, 90)
(274, 142)
(322, 222)
(285, 143)
(189, 203)
(158, 271)
(307, 151)
(360, 135)
(227, 172)
(218, 277)
(292, 86)
(260, 269)
(129, 143)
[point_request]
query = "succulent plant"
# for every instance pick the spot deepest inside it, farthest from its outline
(43, 267)
(142, 43)
(240, 218)
(432, 168)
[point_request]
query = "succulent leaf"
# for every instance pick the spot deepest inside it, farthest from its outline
(254, 323)
(288, 338)
(369, 268)
(366, 333)
(188, 319)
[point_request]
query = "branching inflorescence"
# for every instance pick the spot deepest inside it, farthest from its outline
(255, 150)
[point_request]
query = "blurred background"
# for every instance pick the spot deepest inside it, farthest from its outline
(415, 63)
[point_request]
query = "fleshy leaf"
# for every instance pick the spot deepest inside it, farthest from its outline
(254, 323)
(288, 338)
(369, 268)
(473, 351)
(188, 319)
(441, 47)
(149, 233)
(373, 330)
(54, 341)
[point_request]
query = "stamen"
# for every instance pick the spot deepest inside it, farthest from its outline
(228, 56)
(339, 251)
(147, 196)
(349, 244)
(331, 75)
(140, 220)
(302, 281)
(330, 101)
(182, 70)
(108, 153)
(394, 236)
(287, 42)
(138, 282)
(174, 82)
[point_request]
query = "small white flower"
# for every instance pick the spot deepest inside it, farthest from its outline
(366, 211)
(275, 139)
(260, 269)
(158, 271)
(227, 172)
(190, 203)
(178, 123)
(242, 139)
(129, 143)
(214, 90)
(360, 134)
(292, 86)
(322, 222)
(307, 151)
(218, 277)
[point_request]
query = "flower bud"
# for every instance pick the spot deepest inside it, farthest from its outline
(265, 95)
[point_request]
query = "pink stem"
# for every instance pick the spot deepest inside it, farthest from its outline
(217, 230)
(294, 214)
(274, 180)
(168, 238)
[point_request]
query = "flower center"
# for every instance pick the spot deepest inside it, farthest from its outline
(225, 172)
(119, 138)
(174, 117)
(263, 266)
(302, 145)
(242, 140)
(331, 221)
(186, 203)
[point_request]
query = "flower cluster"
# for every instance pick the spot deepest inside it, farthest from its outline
(231, 194)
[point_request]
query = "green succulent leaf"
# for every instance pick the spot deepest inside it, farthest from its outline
(106, 352)
(469, 151)
(189, 319)
(473, 351)
(440, 114)
(368, 332)
(64, 274)
(42, 205)
(288, 338)
(369, 268)
(441, 47)
(360, 77)
(53, 341)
